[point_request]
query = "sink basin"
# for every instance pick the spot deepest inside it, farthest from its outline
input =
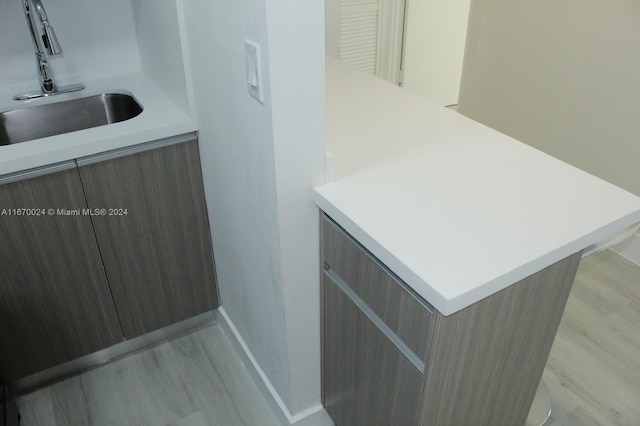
(24, 124)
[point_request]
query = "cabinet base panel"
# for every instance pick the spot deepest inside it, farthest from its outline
(59, 372)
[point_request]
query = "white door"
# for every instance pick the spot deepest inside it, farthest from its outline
(436, 32)
(366, 34)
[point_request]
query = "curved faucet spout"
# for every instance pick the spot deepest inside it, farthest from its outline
(49, 42)
(26, 7)
(48, 35)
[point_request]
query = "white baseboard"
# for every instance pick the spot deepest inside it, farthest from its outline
(629, 248)
(312, 416)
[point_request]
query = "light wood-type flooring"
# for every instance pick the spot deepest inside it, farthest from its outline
(593, 372)
(195, 380)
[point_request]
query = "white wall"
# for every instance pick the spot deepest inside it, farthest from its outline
(561, 76)
(237, 157)
(159, 32)
(259, 163)
(435, 38)
(98, 38)
(296, 68)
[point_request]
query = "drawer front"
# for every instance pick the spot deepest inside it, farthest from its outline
(366, 379)
(404, 312)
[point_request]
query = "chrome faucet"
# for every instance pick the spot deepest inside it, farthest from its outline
(33, 8)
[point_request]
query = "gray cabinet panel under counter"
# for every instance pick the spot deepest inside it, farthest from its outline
(367, 380)
(487, 360)
(482, 364)
(101, 256)
(55, 303)
(406, 313)
(156, 245)
(376, 337)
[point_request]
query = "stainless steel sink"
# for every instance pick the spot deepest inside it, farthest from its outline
(24, 124)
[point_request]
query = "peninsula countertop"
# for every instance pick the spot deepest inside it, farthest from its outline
(457, 210)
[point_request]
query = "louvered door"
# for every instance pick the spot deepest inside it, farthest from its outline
(360, 33)
(367, 34)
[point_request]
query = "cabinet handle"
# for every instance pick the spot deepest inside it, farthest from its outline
(375, 319)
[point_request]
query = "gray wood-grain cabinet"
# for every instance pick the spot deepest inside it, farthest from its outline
(367, 379)
(390, 359)
(376, 336)
(126, 251)
(55, 303)
(155, 240)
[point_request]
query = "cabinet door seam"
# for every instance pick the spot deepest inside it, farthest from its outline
(86, 202)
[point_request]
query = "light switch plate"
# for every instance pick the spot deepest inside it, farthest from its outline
(254, 69)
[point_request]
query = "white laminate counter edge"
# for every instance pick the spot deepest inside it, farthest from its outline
(476, 290)
(159, 119)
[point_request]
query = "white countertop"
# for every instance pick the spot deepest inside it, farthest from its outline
(457, 210)
(160, 118)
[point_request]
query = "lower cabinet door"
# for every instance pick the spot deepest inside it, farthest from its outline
(55, 303)
(366, 379)
(153, 234)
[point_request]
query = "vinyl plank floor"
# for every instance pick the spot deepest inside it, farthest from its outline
(593, 371)
(195, 380)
